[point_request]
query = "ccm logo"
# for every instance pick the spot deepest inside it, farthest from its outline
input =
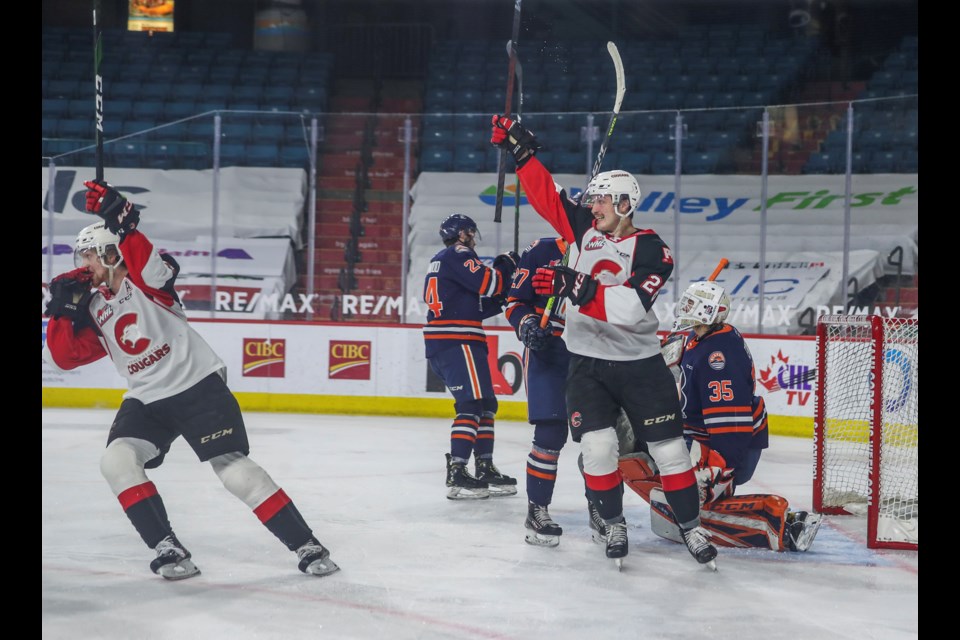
(659, 419)
(214, 436)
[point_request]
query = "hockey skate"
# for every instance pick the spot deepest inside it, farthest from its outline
(698, 543)
(499, 484)
(598, 528)
(462, 485)
(617, 543)
(315, 559)
(801, 529)
(542, 531)
(173, 561)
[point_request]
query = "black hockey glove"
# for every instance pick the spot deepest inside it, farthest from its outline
(506, 264)
(511, 136)
(564, 281)
(70, 295)
(530, 333)
(119, 214)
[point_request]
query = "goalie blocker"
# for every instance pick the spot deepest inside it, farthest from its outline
(759, 521)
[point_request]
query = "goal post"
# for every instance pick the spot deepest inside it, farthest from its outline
(866, 425)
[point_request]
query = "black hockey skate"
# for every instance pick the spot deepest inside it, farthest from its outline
(801, 529)
(698, 543)
(499, 484)
(541, 529)
(462, 485)
(315, 559)
(617, 543)
(598, 528)
(173, 561)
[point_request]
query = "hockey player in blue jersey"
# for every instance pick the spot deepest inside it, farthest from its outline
(460, 292)
(725, 425)
(545, 363)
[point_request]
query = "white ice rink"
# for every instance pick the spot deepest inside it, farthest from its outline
(416, 565)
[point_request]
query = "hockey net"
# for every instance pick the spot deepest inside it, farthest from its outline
(867, 424)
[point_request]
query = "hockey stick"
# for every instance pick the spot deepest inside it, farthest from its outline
(618, 100)
(511, 70)
(98, 84)
(516, 190)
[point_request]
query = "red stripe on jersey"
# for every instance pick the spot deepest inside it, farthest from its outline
(604, 482)
(133, 495)
(459, 337)
(472, 370)
(718, 430)
(463, 436)
(678, 481)
(272, 505)
(726, 410)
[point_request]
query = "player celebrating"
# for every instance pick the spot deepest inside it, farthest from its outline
(120, 302)
(726, 425)
(545, 362)
(461, 292)
(617, 271)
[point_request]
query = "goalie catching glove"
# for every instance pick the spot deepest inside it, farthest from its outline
(119, 214)
(531, 334)
(70, 295)
(511, 136)
(564, 281)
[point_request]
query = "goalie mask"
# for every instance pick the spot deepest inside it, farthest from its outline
(703, 303)
(98, 238)
(622, 186)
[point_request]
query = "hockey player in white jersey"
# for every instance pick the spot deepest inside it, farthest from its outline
(120, 303)
(616, 271)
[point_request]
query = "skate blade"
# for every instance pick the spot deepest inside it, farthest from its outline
(810, 529)
(500, 491)
(712, 565)
(539, 540)
(179, 571)
(598, 537)
(619, 563)
(322, 568)
(458, 493)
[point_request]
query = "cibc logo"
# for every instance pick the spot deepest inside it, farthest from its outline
(264, 358)
(349, 360)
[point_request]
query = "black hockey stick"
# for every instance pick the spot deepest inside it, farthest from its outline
(516, 190)
(618, 101)
(511, 70)
(98, 84)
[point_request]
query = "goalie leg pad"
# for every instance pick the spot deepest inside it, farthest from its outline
(662, 521)
(640, 473)
(752, 521)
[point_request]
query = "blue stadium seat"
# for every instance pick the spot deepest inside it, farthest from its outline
(262, 154)
(469, 160)
(436, 159)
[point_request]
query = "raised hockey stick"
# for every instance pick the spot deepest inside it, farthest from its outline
(511, 71)
(618, 100)
(516, 190)
(98, 85)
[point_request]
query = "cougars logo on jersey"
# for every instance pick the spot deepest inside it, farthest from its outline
(128, 335)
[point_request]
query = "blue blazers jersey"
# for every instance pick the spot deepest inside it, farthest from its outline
(460, 292)
(717, 387)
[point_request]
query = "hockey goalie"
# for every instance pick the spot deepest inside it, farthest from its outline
(725, 425)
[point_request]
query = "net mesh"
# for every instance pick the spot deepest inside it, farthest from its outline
(849, 354)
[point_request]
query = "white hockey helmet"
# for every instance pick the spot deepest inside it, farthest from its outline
(704, 303)
(101, 240)
(619, 184)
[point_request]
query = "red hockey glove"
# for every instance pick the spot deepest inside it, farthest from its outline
(119, 214)
(70, 295)
(564, 281)
(511, 136)
(530, 333)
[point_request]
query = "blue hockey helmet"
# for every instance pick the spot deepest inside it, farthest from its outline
(453, 224)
